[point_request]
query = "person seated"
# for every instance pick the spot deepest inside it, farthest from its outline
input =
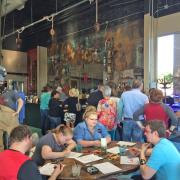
(56, 144)
(89, 132)
(15, 164)
(164, 160)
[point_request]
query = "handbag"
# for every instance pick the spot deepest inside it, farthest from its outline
(78, 106)
(69, 117)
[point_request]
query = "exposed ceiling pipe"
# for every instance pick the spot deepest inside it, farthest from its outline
(48, 18)
(10, 5)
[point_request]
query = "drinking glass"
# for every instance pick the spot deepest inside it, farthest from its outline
(78, 148)
(103, 145)
(122, 150)
(76, 170)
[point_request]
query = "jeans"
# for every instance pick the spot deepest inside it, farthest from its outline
(54, 121)
(131, 131)
(44, 121)
(112, 134)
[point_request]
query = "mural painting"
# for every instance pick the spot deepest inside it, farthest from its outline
(118, 49)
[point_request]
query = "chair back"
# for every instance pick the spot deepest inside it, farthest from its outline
(5, 140)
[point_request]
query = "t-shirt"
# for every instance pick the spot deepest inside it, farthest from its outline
(44, 100)
(71, 102)
(29, 171)
(160, 111)
(50, 141)
(106, 111)
(15, 165)
(132, 100)
(94, 98)
(55, 108)
(81, 132)
(165, 159)
(9, 99)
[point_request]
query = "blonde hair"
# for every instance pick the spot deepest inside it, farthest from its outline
(73, 92)
(65, 130)
(89, 110)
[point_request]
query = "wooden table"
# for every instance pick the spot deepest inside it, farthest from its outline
(84, 175)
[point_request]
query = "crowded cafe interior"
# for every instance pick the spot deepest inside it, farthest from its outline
(89, 89)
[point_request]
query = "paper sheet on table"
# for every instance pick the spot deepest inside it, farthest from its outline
(128, 160)
(114, 150)
(88, 158)
(73, 155)
(107, 167)
(47, 169)
(125, 143)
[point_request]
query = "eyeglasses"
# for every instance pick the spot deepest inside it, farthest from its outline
(93, 119)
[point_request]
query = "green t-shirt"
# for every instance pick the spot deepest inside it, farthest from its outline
(44, 100)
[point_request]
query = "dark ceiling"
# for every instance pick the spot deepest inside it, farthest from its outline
(84, 14)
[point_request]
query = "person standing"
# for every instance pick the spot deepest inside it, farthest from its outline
(55, 113)
(9, 99)
(130, 102)
(156, 109)
(72, 105)
(106, 111)
(95, 96)
(44, 102)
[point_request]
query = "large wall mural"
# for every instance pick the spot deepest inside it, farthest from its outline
(119, 48)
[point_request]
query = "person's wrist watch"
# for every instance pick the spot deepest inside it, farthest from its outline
(142, 161)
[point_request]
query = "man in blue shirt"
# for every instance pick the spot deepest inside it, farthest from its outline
(164, 160)
(130, 102)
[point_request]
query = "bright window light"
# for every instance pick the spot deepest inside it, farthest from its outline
(165, 58)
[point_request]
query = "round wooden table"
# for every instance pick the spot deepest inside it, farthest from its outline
(84, 175)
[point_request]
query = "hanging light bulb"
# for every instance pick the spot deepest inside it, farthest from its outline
(52, 31)
(97, 25)
(18, 41)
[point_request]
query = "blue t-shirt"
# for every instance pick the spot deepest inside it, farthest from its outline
(165, 159)
(81, 132)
